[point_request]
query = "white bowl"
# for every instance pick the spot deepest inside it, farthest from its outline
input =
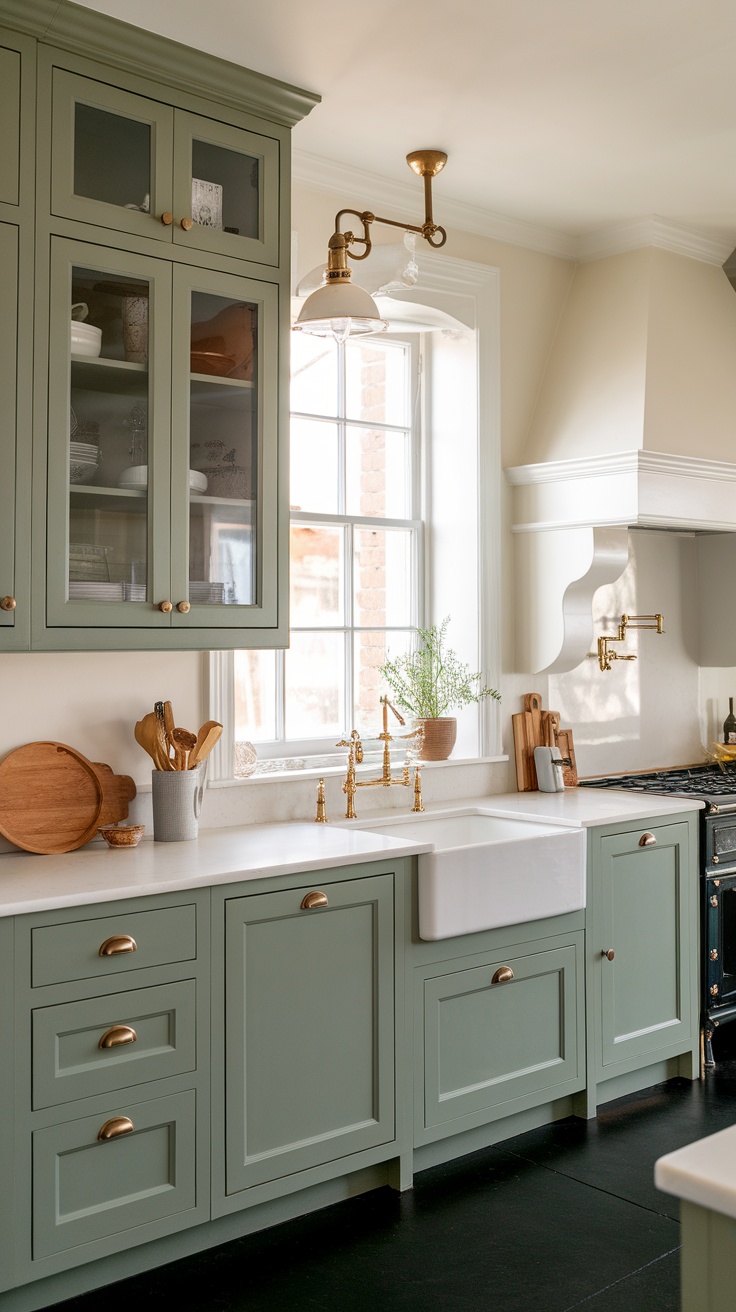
(82, 471)
(135, 478)
(85, 338)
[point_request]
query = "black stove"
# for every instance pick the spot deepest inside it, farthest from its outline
(714, 785)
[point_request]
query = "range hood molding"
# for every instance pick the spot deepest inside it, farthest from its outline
(632, 489)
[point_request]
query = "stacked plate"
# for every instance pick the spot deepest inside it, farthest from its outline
(83, 461)
(87, 591)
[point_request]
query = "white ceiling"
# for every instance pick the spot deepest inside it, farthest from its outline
(572, 116)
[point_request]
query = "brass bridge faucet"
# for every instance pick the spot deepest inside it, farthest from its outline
(355, 756)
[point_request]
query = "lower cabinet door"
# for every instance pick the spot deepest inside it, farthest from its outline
(309, 1027)
(647, 924)
(87, 1188)
(496, 1036)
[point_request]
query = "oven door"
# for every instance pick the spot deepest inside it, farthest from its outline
(719, 946)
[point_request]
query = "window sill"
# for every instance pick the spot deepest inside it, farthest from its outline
(335, 771)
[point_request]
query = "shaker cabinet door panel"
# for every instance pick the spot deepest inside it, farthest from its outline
(646, 919)
(13, 604)
(10, 107)
(309, 1029)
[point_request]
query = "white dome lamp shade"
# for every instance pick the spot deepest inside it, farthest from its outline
(340, 309)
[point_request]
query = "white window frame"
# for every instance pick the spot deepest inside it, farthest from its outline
(473, 292)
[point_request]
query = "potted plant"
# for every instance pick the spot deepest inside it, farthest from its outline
(428, 682)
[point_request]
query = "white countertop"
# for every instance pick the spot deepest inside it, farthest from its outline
(96, 873)
(703, 1172)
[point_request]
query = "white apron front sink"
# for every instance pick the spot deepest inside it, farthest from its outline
(487, 871)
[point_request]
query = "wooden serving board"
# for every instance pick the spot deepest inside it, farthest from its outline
(52, 799)
(535, 727)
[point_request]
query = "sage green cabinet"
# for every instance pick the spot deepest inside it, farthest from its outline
(111, 1037)
(498, 1030)
(128, 162)
(642, 946)
(148, 527)
(309, 1006)
(10, 109)
(14, 467)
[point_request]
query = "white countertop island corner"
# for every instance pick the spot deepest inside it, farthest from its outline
(703, 1172)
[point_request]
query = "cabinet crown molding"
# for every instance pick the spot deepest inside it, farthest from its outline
(124, 46)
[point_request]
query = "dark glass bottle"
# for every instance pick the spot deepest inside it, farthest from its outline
(729, 724)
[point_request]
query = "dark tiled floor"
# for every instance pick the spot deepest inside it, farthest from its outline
(565, 1217)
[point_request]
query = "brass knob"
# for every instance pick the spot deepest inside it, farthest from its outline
(117, 1035)
(119, 943)
(714, 901)
(714, 989)
(184, 607)
(647, 840)
(608, 953)
(113, 1128)
(8, 603)
(166, 606)
(716, 883)
(502, 975)
(315, 899)
(167, 218)
(186, 224)
(716, 860)
(714, 954)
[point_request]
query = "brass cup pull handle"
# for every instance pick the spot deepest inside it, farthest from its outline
(166, 606)
(117, 1035)
(187, 224)
(113, 1128)
(608, 953)
(184, 607)
(315, 899)
(647, 840)
(8, 603)
(119, 943)
(167, 218)
(502, 975)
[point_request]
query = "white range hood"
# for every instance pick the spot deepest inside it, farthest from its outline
(635, 426)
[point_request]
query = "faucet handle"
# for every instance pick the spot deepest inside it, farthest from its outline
(355, 745)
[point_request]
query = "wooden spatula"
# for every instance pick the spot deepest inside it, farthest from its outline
(208, 735)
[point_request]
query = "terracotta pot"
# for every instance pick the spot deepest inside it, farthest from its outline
(439, 738)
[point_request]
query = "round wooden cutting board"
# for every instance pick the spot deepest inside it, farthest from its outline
(50, 798)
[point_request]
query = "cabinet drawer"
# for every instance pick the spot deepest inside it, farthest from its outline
(487, 1044)
(72, 951)
(148, 1034)
(85, 1189)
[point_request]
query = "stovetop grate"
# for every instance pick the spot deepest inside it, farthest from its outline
(704, 782)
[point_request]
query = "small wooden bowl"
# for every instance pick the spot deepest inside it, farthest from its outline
(122, 835)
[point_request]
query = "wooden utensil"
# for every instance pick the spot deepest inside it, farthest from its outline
(533, 705)
(183, 742)
(147, 736)
(550, 728)
(569, 772)
(162, 737)
(208, 735)
(52, 797)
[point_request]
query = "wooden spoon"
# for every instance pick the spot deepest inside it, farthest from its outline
(145, 736)
(208, 735)
(183, 742)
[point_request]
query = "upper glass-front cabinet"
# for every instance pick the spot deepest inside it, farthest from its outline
(162, 500)
(123, 161)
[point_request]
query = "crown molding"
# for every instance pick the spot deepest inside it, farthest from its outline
(372, 189)
(621, 462)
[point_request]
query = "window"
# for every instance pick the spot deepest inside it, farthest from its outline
(356, 548)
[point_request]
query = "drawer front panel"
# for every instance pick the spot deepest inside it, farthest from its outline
(486, 1044)
(64, 953)
(69, 1063)
(86, 1190)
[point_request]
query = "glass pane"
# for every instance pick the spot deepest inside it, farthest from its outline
(225, 189)
(383, 577)
(223, 456)
(255, 697)
(108, 438)
(313, 375)
(371, 650)
(376, 382)
(378, 473)
(112, 158)
(315, 685)
(314, 466)
(317, 574)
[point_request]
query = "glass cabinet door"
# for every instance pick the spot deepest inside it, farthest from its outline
(224, 465)
(112, 157)
(109, 429)
(14, 593)
(226, 183)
